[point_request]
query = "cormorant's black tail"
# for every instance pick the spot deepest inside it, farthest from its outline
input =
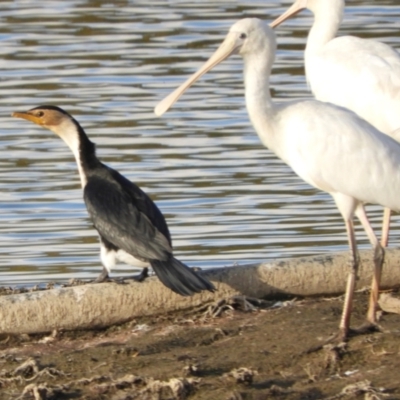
(179, 277)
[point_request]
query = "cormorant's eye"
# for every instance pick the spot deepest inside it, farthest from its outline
(243, 36)
(40, 114)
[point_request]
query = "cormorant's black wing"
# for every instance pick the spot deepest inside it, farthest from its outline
(125, 216)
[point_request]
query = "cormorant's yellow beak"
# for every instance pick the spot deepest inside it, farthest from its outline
(28, 116)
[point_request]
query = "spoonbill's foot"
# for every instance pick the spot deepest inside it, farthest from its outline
(342, 336)
(365, 328)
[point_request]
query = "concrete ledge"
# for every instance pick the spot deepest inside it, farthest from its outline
(100, 305)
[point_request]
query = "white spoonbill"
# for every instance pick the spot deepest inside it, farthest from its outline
(362, 75)
(330, 147)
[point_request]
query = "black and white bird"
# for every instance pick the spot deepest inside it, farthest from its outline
(131, 227)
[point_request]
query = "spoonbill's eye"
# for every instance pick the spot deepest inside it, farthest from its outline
(243, 36)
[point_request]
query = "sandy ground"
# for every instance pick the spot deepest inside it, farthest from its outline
(237, 355)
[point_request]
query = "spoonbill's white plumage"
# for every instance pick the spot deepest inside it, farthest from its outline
(328, 146)
(362, 75)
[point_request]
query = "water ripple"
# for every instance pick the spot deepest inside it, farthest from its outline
(227, 199)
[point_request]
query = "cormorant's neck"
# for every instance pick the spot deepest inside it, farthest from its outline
(83, 149)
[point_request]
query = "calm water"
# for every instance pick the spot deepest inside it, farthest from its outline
(226, 198)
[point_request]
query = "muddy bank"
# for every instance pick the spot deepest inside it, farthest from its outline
(254, 355)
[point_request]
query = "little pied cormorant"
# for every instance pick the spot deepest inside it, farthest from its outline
(130, 225)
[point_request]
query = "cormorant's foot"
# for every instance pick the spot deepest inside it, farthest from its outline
(142, 276)
(138, 278)
(103, 277)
